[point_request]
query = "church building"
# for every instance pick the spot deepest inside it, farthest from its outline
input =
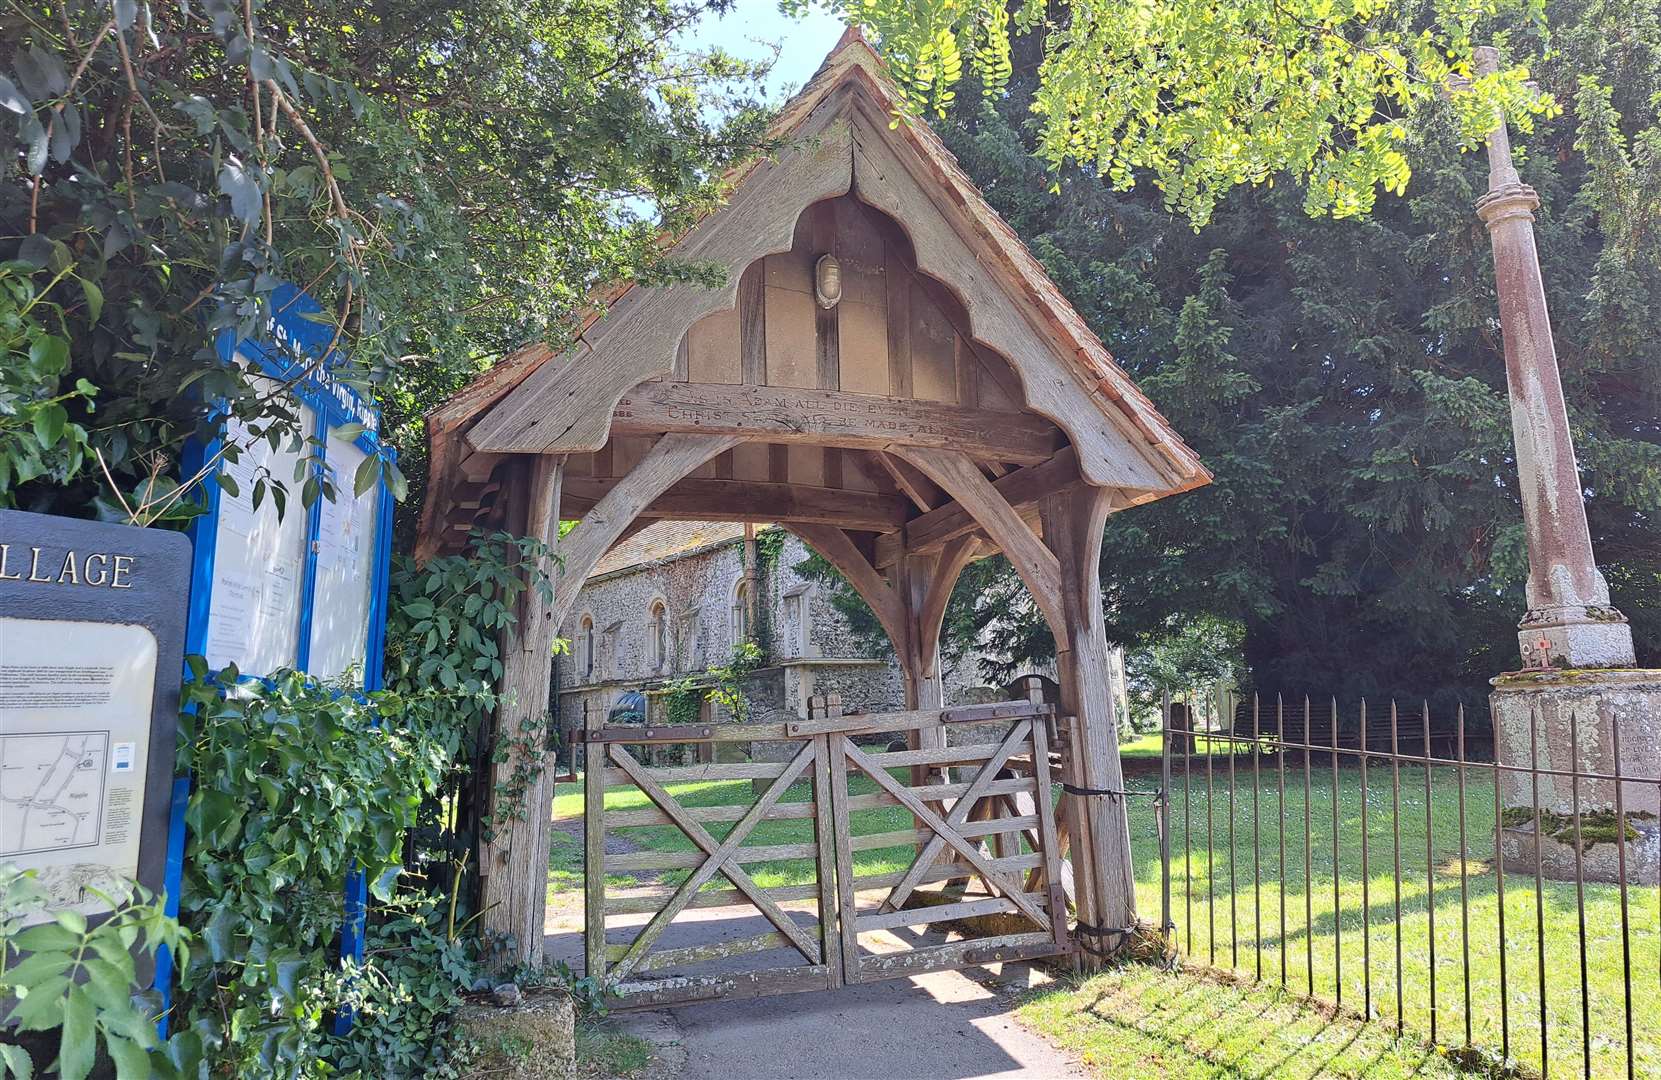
(675, 600)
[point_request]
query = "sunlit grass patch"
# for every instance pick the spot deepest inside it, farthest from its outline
(1139, 1020)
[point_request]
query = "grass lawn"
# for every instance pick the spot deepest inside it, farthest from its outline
(1139, 1020)
(1141, 746)
(1218, 912)
(565, 860)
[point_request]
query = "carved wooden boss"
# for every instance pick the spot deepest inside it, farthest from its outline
(887, 372)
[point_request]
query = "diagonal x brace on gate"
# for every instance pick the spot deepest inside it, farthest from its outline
(720, 860)
(1011, 890)
(1013, 742)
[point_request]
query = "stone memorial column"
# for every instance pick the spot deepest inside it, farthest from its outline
(1578, 676)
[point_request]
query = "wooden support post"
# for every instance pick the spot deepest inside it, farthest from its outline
(594, 847)
(513, 866)
(924, 688)
(821, 707)
(1073, 523)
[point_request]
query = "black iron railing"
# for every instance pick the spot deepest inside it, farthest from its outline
(1531, 965)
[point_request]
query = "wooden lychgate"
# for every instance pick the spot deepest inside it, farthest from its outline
(887, 373)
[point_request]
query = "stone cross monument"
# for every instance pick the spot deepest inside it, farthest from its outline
(1578, 677)
(1569, 621)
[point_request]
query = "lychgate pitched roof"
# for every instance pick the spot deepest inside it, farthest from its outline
(840, 142)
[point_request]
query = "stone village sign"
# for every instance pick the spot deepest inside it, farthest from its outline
(92, 626)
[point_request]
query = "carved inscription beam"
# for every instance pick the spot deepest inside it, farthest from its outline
(700, 499)
(834, 418)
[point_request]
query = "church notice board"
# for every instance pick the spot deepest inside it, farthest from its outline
(303, 588)
(92, 627)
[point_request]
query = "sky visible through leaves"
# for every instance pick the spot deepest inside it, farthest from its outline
(754, 27)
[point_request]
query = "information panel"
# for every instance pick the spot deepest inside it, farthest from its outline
(346, 545)
(74, 746)
(91, 645)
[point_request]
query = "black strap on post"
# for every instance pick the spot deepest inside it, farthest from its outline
(1088, 932)
(1074, 789)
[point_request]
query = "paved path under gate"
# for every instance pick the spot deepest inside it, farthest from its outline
(948, 1025)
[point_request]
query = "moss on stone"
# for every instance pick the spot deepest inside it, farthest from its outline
(1596, 827)
(531, 1041)
(1566, 676)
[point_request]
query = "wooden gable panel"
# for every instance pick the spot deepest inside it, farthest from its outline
(791, 339)
(896, 332)
(807, 465)
(752, 461)
(712, 349)
(1111, 452)
(560, 408)
(863, 337)
(933, 350)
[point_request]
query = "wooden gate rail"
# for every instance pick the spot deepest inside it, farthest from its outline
(969, 829)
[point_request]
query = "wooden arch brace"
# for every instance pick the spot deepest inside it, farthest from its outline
(839, 550)
(953, 559)
(670, 458)
(1037, 564)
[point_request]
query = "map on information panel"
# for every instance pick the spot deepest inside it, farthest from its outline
(51, 790)
(74, 739)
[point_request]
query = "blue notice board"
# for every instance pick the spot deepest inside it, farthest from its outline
(305, 589)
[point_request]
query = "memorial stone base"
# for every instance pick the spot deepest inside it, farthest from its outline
(1561, 720)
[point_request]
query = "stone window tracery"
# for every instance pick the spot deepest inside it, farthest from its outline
(797, 621)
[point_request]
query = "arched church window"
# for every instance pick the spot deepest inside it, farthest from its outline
(585, 648)
(741, 628)
(657, 636)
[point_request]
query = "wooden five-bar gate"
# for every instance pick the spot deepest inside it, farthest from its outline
(981, 857)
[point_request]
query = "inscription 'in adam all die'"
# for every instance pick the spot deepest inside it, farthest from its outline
(822, 413)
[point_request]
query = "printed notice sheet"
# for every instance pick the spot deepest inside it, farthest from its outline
(74, 743)
(345, 568)
(259, 559)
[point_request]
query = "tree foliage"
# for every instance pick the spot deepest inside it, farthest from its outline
(1345, 379)
(296, 784)
(57, 971)
(449, 179)
(1205, 95)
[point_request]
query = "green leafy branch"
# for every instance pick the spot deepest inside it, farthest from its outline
(1204, 96)
(65, 972)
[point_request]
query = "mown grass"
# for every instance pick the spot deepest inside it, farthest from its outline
(1227, 893)
(1227, 899)
(565, 859)
(1139, 1020)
